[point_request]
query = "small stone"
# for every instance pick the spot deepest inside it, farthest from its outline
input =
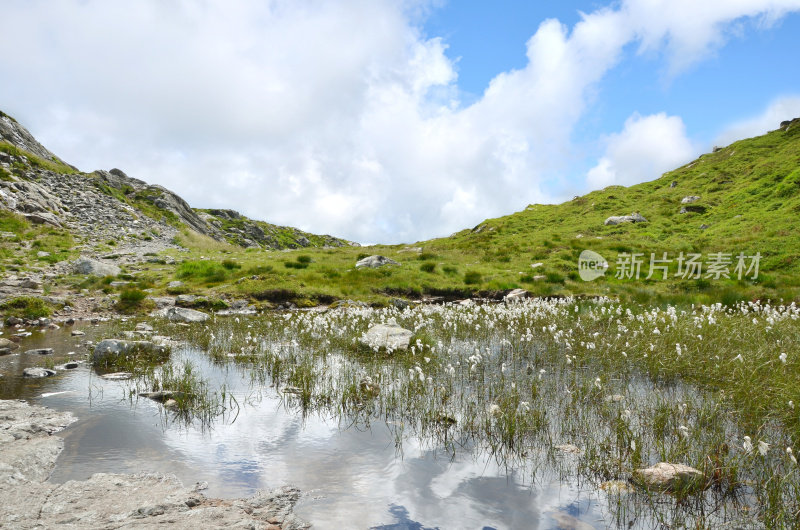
(40, 351)
(389, 336)
(516, 295)
(37, 373)
(569, 449)
(77, 333)
(170, 404)
(670, 477)
(70, 365)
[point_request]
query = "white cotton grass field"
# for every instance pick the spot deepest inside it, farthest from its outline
(591, 388)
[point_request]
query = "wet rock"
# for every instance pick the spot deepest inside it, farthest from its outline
(40, 351)
(109, 351)
(374, 262)
(163, 396)
(620, 219)
(569, 449)
(8, 344)
(117, 376)
(69, 366)
(77, 333)
(368, 387)
(670, 477)
(183, 314)
(616, 487)
(94, 267)
(38, 372)
(516, 295)
(388, 336)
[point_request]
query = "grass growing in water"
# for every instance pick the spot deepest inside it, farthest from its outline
(628, 385)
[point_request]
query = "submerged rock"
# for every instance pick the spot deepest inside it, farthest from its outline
(40, 351)
(387, 336)
(117, 376)
(670, 477)
(375, 261)
(569, 449)
(109, 351)
(8, 344)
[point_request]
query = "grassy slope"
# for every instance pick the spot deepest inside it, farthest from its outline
(751, 190)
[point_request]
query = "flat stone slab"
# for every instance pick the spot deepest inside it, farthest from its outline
(28, 452)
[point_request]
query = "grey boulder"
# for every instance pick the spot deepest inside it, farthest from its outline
(388, 336)
(620, 219)
(94, 267)
(374, 262)
(690, 199)
(183, 314)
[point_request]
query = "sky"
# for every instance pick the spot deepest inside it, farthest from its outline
(389, 121)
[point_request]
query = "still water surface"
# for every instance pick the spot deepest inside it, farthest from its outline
(353, 477)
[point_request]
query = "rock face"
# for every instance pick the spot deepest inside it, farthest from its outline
(375, 261)
(110, 351)
(94, 267)
(387, 336)
(690, 199)
(28, 452)
(670, 477)
(183, 314)
(619, 219)
(110, 205)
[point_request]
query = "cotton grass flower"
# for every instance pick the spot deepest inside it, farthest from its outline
(791, 455)
(747, 445)
(782, 357)
(763, 447)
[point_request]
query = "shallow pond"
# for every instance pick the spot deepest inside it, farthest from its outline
(353, 477)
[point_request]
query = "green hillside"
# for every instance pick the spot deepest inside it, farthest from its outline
(749, 194)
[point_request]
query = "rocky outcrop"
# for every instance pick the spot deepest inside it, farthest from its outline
(109, 205)
(375, 262)
(690, 199)
(635, 217)
(14, 133)
(28, 452)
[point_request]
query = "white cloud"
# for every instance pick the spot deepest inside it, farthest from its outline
(646, 147)
(784, 108)
(334, 116)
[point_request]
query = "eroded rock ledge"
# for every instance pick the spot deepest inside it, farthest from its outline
(28, 452)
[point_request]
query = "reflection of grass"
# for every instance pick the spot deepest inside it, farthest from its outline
(517, 380)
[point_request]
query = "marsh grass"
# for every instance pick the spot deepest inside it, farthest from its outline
(629, 385)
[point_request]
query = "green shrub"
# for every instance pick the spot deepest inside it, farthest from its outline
(428, 266)
(26, 307)
(208, 271)
(472, 278)
(295, 265)
(449, 269)
(304, 259)
(554, 277)
(231, 265)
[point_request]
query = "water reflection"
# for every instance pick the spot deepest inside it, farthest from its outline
(354, 478)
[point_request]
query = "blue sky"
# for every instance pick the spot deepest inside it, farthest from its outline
(395, 120)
